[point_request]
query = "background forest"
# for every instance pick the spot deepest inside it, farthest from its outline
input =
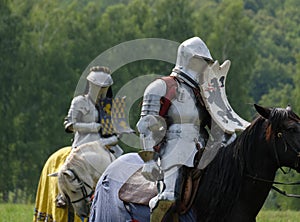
(46, 45)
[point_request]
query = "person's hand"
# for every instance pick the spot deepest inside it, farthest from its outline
(151, 171)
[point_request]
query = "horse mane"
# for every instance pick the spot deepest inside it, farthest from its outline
(228, 166)
(77, 162)
(74, 162)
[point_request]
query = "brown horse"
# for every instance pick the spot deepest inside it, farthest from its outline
(228, 190)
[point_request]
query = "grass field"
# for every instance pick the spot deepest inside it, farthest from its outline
(24, 213)
(16, 213)
(278, 216)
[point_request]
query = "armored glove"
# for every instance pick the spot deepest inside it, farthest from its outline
(87, 127)
(151, 171)
(116, 150)
(109, 141)
(152, 130)
(111, 144)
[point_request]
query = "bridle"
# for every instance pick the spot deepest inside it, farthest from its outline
(287, 146)
(84, 192)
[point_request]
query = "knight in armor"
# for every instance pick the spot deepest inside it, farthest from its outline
(83, 118)
(174, 124)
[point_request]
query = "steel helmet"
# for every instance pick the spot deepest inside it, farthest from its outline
(100, 76)
(193, 47)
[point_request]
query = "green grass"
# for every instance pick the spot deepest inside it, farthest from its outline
(16, 212)
(24, 213)
(278, 216)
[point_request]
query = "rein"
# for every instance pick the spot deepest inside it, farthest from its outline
(278, 183)
(83, 189)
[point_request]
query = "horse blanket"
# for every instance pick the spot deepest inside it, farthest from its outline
(45, 206)
(107, 207)
(105, 197)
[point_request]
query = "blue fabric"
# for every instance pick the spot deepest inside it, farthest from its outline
(107, 207)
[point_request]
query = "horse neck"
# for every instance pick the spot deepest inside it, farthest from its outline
(82, 168)
(249, 154)
(91, 167)
(257, 156)
(95, 159)
(256, 159)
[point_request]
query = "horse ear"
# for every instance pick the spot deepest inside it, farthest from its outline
(53, 174)
(288, 108)
(69, 173)
(264, 112)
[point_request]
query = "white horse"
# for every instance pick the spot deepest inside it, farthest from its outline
(78, 176)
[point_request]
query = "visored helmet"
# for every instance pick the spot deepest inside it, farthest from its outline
(100, 76)
(193, 57)
(193, 47)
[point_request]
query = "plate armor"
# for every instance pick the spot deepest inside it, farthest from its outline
(181, 132)
(83, 116)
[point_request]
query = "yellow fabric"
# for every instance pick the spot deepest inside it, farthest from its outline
(45, 206)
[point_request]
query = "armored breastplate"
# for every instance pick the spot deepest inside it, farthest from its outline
(91, 114)
(184, 107)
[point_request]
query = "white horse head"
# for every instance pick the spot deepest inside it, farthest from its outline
(79, 174)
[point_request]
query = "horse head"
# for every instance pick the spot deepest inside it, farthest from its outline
(79, 175)
(283, 130)
(77, 186)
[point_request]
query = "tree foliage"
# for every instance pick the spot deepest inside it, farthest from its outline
(46, 45)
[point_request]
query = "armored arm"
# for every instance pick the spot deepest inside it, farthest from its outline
(152, 128)
(78, 108)
(87, 127)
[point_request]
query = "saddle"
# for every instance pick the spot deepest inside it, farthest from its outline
(138, 190)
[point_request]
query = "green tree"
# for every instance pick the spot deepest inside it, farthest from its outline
(296, 91)
(46, 45)
(276, 35)
(10, 30)
(228, 30)
(46, 78)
